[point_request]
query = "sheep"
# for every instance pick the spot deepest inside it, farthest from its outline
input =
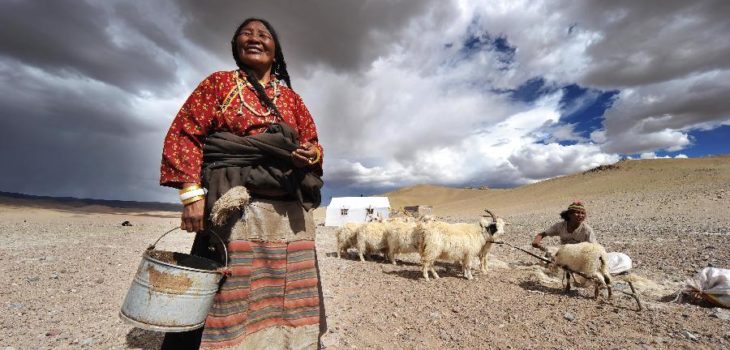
(458, 242)
(588, 259)
(347, 234)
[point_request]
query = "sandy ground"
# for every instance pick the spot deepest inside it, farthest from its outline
(66, 272)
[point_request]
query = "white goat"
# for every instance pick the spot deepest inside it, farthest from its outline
(371, 238)
(346, 237)
(402, 236)
(589, 259)
(347, 234)
(458, 242)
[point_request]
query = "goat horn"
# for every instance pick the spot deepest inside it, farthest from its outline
(494, 217)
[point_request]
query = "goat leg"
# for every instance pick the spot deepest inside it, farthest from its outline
(610, 295)
(433, 271)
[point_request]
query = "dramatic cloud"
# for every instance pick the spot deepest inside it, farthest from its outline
(659, 116)
(344, 36)
(498, 93)
(89, 41)
(73, 136)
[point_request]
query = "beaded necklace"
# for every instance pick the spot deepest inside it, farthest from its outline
(239, 86)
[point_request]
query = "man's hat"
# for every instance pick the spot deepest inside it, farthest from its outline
(577, 206)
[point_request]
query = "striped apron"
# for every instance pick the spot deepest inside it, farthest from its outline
(272, 299)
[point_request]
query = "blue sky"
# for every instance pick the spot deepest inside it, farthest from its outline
(463, 93)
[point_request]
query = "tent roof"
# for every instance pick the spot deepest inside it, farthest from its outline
(359, 202)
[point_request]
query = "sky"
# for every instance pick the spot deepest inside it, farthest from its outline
(455, 93)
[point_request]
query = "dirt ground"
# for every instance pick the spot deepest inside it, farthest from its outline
(66, 273)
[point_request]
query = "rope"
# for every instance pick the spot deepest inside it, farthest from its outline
(525, 251)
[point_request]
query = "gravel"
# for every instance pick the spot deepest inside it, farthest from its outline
(66, 272)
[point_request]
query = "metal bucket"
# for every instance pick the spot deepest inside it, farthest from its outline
(172, 292)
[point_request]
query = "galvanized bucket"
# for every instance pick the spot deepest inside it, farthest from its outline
(172, 292)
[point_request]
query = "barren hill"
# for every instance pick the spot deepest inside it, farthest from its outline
(24, 203)
(701, 177)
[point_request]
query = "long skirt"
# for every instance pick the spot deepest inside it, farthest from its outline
(272, 298)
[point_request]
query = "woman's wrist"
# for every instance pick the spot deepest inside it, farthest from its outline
(191, 193)
(192, 200)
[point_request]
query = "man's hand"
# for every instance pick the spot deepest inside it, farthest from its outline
(536, 242)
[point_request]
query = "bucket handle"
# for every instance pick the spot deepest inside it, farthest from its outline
(223, 243)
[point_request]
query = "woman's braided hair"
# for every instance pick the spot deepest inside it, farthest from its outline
(278, 68)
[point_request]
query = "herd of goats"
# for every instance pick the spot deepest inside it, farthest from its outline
(437, 240)
(461, 242)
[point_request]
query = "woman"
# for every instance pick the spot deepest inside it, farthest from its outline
(572, 229)
(244, 127)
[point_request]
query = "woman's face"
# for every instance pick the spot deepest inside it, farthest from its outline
(577, 216)
(256, 46)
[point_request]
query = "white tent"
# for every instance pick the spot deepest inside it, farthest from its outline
(354, 209)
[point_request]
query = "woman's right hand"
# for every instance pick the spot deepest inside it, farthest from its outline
(192, 217)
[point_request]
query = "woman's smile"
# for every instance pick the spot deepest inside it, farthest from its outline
(256, 47)
(253, 49)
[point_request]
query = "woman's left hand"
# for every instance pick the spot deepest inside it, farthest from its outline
(304, 155)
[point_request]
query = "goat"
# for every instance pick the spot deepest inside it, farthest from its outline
(402, 236)
(587, 259)
(458, 242)
(371, 238)
(347, 234)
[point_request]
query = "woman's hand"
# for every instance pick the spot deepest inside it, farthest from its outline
(192, 216)
(304, 155)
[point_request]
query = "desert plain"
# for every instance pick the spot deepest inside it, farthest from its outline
(66, 268)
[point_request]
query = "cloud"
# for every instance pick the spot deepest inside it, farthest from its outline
(652, 155)
(670, 61)
(82, 40)
(647, 43)
(500, 153)
(661, 101)
(344, 36)
(536, 161)
(70, 136)
(455, 93)
(659, 116)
